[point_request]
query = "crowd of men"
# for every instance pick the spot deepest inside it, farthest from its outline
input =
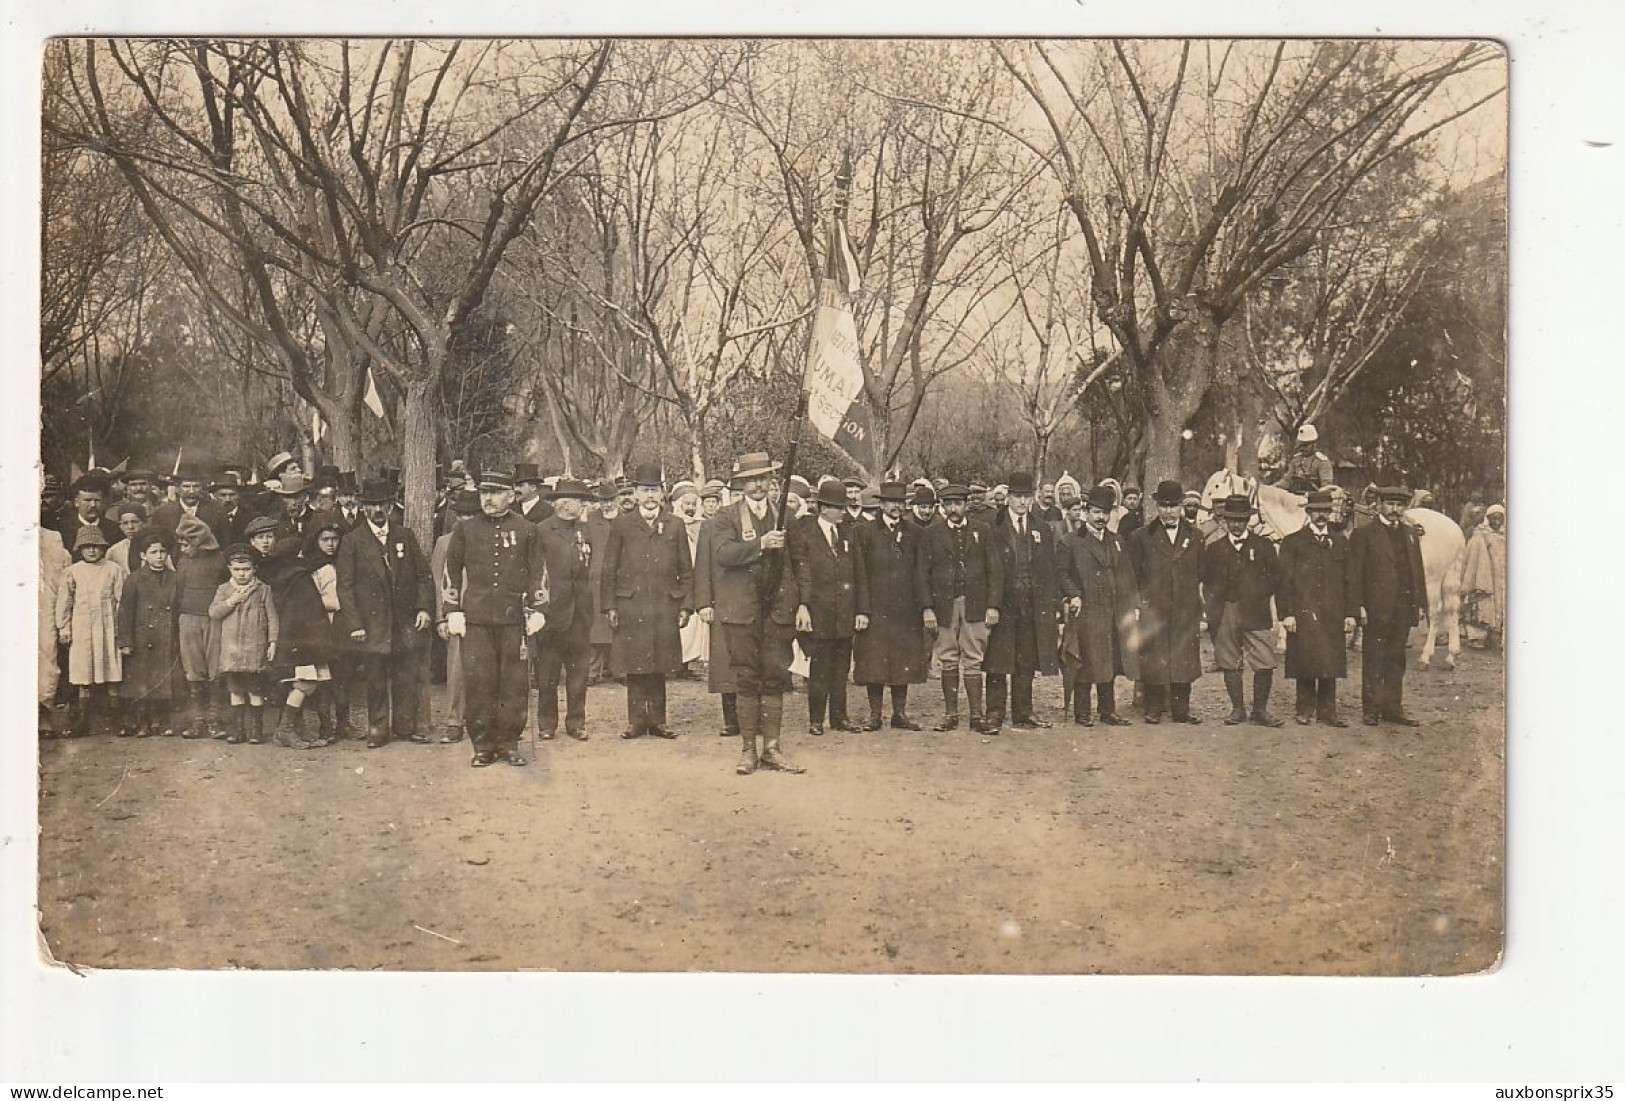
(187, 604)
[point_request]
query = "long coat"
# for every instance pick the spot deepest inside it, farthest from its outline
(984, 571)
(87, 601)
(597, 529)
(719, 675)
(1485, 571)
(1385, 574)
(569, 572)
(147, 617)
(889, 652)
(1098, 641)
(1315, 592)
(1041, 602)
(54, 561)
(648, 580)
(830, 579)
(1168, 576)
(307, 636)
(382, 587)
(246, 629)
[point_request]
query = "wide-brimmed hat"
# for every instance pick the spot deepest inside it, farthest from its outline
(1100, 497)
(569, 489)
(893, 491)
(291, 485)
(377, 492)
(1320, 500)
(259, 524)
(89, 536)
(832, 493)
(1021, 484)
(1237, 506)
(1169, 492)
(278, 463)
(1393, 493)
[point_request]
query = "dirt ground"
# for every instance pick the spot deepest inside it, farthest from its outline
(1138, 849)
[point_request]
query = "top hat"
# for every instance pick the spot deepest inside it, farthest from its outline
(377, 492)
(526, 472)
(832, 493)
(1237, 506)
(345, 483)
(647, 474)
(1169, 492)
(1021, 484)
(893, 491)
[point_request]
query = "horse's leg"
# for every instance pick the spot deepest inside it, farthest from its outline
(1426, 660)
(1280, 639)
(1450, 612)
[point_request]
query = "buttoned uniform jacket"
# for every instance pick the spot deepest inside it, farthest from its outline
(984, 572)
(648, 580)
(1098, 640)
(382, 587)
(1248, 577)
(1167, 575)
(1315, 592)
(830, 579)
(502, 564)
(1386, 575)
(1043, 599)
(569, 579)
(889, 651)
(744, 581)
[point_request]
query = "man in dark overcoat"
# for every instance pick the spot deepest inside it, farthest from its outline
(564, 646)
(1097, 581)
(1239, 579)
(966, 581)
(648, 594)
(499, 559)
(754, 598)
(719, 676)
(1316, 608)
(1167, 558)
(889, 651)
(1387, 580)
(831, 597)
(1024, 641)
(385, 596)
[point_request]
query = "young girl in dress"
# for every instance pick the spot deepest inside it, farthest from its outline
(245, 615)
(87, 623)
(147, 640)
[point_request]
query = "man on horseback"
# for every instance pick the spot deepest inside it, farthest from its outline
(1308, 469)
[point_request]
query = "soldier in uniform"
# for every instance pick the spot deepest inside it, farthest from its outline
(1239, 579)
(1167, 559)
(1307, 469)
(1317, 609)
(1386, 578)
(647, 595)
(565, 644)
(385, 594)
(1097, 581)
(1024, 641)
(966, 581)
(889, 651)
(831, 597)
(755, 598)
(501, 558)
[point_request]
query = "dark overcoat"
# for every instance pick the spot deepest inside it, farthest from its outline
(830, 579)
(147, 615)
(1168, 576)
(597, 529)
(307, 636)
(743, 579)
(1248, 577)
(1099, 573)
(1315, 591)
(569, 578)
(889, 652)
(984, 572)
(1385, 574)
(648, 580)
(1040, 605)
(382, 587)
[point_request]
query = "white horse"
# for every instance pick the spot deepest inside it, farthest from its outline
(1280, 513)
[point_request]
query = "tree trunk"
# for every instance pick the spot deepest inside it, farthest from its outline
(1040, 456)
(1187, 366)
(698, 439)
(343, 440)
(417, 460)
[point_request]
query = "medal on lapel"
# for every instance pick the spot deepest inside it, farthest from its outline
(1037, 537)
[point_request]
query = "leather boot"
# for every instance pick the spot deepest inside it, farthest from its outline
(772, 719)
(1326, 702)
(900, 719)
(256, 725)
(343, 729)
(79, 715)
(197, 722)
(323, 707)
(290, 729)
(1304, 710)
(1262, 681)
(222, 719)
(996, 686)
(748, 715)
(950, 701)
(238, 734)
(973, 702)
(877, 706)
(1234, 688)
(731, 723)
(1080, 705)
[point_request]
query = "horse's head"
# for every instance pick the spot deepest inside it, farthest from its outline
(1228, 483)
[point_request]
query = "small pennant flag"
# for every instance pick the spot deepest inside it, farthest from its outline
(371, 399)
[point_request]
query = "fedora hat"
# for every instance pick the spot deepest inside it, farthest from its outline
(569, 489)
(832, 493)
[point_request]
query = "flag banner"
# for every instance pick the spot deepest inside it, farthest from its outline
(371, 399)
(835, 404)
(316, 425)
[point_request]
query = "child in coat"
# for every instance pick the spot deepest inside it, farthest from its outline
(197, 577)
(147, 638)
(87, 623)
(245, 615)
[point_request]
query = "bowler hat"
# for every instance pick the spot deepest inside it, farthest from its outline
(377, 492)
(465, 502)
(1021, 484)
(1320, 500)
(893, 491)
(1169, 492)
(570, 488)
(1237, 506)
(754, 464)
(1101, 497)
(526, 472)
(924, 496)
(833, 494)
(647, 474)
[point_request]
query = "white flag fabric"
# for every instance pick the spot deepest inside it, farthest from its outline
(834, 377)
(371, 399)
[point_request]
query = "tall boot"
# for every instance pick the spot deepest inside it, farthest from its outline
(290, 729)
(197, 720)
(222, 720)
(256, 724)
(1234, 688)
(973, 702)
(324, 718)
(899, 709)
(730, 715)
(79, 716)
(1262, 680)
(343, 728)
(772, 719)
(992, 719)
(748, 716)
(877, 705)
(950, 700)
(238, 734)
